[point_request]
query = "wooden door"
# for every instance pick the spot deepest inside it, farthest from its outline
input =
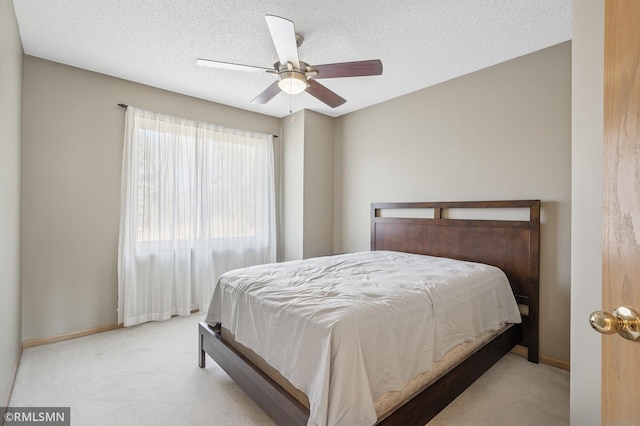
(621, 214)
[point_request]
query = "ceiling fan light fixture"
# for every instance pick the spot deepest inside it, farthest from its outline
(293, 82)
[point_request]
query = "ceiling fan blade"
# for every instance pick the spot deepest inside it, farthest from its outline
(322, 93)
(347, 69)
(283, 34)
(267, 94)
(229, 66)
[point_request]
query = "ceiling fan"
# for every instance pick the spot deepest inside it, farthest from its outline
(295, 76)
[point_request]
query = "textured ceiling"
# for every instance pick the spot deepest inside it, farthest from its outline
(420, 42)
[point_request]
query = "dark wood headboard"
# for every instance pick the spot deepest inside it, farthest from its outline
(511, 245)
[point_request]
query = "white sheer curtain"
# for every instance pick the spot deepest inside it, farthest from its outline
(197, 200)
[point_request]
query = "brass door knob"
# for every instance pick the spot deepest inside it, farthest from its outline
(625, 321)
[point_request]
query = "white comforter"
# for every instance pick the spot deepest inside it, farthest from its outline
(345, 329)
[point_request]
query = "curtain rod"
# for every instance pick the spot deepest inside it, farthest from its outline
(125, 107)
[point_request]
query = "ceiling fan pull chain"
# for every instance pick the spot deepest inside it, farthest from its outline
(291, 105)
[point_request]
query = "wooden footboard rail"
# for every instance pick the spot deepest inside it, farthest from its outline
(284, 409)
(433, 399)
(281, 407)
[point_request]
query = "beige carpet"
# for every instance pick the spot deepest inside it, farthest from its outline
(148, 375)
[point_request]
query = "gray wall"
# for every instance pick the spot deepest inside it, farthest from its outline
(293, 186)
(318, 185)
(10, 171)
(586, 218)
(500, 133)
(307, 223)
(72, 154)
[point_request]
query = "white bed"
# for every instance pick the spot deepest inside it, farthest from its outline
(391, 314)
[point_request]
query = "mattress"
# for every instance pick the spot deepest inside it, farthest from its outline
(347, 329)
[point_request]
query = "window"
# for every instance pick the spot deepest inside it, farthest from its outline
(197, 200)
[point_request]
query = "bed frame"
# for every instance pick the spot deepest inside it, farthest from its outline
(511, 245)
